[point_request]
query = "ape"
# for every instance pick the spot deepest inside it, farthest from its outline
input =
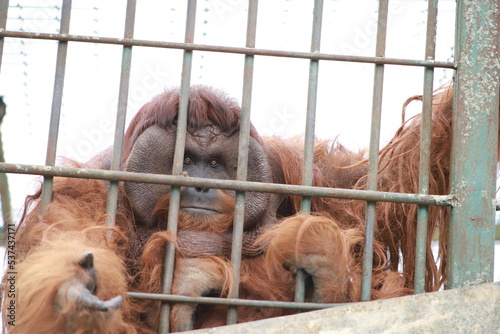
(73, 269)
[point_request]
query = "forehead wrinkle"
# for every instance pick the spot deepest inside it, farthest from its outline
(208, 139)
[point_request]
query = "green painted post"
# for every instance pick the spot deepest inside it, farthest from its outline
(475, 128)
(4, 187)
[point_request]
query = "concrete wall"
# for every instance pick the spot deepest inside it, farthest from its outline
(474, 309)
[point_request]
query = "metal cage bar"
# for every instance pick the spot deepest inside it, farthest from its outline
(371, 214)
(113, 189)
(232, 301)
(474, 156)
(178, 163)
(116, 158)
(4, 9)
(55, 113)
(228, 49)
(4, 193)
(175, 180)
(307, 172)
(475, 143)
(425, 149)
(242, 169)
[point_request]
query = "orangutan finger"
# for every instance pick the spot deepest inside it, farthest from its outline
(77, 294)
(86, 300)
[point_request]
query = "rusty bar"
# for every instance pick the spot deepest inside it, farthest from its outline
(239, 213)
(4, 9)
(232, 301)
(178, 164)
(55, 113)
(307, 173)
(371, 215)
(425, 149)
(112, 199)
(229, 49)
(363, 195)
(4, 188)
(475, 143)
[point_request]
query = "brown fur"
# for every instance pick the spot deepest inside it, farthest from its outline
(304, 241)
(398, 172)
(207, 106)
(50, 241)
(51, 265)
(49, 245)
(216, 223)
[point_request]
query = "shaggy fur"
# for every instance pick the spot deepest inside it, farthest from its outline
(216, 223)
(49, 246)
(327, 244)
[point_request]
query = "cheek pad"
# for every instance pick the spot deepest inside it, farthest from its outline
(152, 153)
(256, 204)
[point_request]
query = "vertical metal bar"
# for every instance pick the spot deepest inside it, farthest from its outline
(4, 185)
(178, 164)
(425, 148)
(371, 215)
(121, 112)
(4, 8)
(307, 176)
(475, 143)
(239, 212)
(55, 114)
(4, 195)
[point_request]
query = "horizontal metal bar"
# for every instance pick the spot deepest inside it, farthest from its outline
(232, 301)
(226, 49)
(228, 301)
(365, 195)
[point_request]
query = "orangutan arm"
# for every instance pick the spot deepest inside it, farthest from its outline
(200, 243)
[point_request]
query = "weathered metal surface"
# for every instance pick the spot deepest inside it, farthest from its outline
(231, 301)
(425, 149)
(178, 163)
(4, 7)
(474, 158)
(225, 49)
(372, 181)
(366, 195)
(309, 136)
(465, 310)
(242, 169)
(55, 114)
(4, 186)
(116, 158)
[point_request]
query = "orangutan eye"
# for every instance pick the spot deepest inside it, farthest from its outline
(214, 163)
(188, 160)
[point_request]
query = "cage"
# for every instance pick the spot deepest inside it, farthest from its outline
(474, 66)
